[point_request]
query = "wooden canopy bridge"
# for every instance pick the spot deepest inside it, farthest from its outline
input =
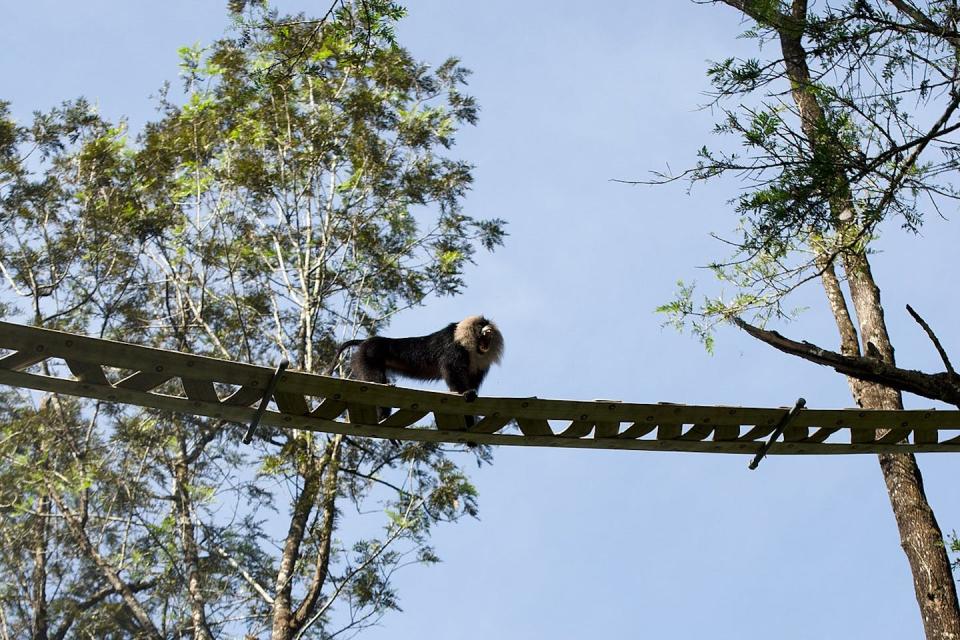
(170, 380)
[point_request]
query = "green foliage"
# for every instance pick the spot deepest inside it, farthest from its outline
(303, 190)
(871, 145)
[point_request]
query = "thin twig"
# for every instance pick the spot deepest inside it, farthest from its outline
(933, 338)
(256, 586)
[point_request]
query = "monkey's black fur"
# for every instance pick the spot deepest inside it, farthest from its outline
(460, 354)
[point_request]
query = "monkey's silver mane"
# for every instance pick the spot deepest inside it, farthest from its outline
(467, 334)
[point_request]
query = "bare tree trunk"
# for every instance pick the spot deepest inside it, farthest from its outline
(285, 619)
(40, 620)
(112, 576)
(302, 616)
(920, 535)
(191, 555)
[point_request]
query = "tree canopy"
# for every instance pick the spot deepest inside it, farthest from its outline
(845, 126)
(301, 188)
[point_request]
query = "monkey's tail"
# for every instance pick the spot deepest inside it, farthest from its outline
(346, 345)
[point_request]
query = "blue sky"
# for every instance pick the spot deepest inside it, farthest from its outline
(574, 544)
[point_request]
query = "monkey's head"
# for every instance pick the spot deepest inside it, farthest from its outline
(480, 337)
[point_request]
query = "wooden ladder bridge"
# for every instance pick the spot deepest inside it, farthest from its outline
(169, 380)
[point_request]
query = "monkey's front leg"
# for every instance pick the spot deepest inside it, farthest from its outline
(459, 381)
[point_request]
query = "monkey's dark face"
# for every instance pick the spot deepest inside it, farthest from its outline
(487, 335)
(481, 339)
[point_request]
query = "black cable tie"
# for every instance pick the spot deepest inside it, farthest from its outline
(785, 421)
(267, 396)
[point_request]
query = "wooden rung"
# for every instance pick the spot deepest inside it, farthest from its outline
(862, 436)
(88, 372)
(725, 432)
(821, 435)
(796, 434)
(925, 436)
(577, 429)
(329, 409)
(669, 431)
(244, 396)
(143, 381)
(490, 424)
(201, 390)
(697, 432)
(757, 432)
(637, 430)
(20, 360)
(92, 363)
(362, 414)
(403, 418)
(450, 421)
(534, 427)
(607, 430)
(895, 435)
(292, 403)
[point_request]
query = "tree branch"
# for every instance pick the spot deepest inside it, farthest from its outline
(148, 629)
(322, 565)
(246, 575)
(933, 338)
(936, 386)
(93, 600)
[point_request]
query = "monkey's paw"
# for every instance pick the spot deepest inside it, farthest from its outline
(470, 395)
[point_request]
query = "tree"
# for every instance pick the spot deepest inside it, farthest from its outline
(827, 165)
(300, 192)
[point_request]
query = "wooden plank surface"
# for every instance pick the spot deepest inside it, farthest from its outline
(123, 355)
(20, 360)
(88, 372)
(143, 381)
(591, 424)
(293, 403)
(200, 390)
(450, 421)
(272, 418)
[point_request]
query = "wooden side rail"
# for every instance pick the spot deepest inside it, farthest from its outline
(198, 385)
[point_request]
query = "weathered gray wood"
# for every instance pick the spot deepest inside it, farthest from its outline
(595, 424)
(88, 372)
(697, 432)
(669, 430)
(897, 434)
(820, 435)
(20, 360)
(450, 421)
(726, 432)
(403, 418)
(490, 424)
(143, 381)
(330, 409)
(756, 432)
(364, 414)
(925, 436)
(637, 430)
(607, 430)
(793, 433)
(243, 414)
(123, 355)
(577, 429)
(200, 390)
(244, 397)
(292, 403)
(534, 427)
